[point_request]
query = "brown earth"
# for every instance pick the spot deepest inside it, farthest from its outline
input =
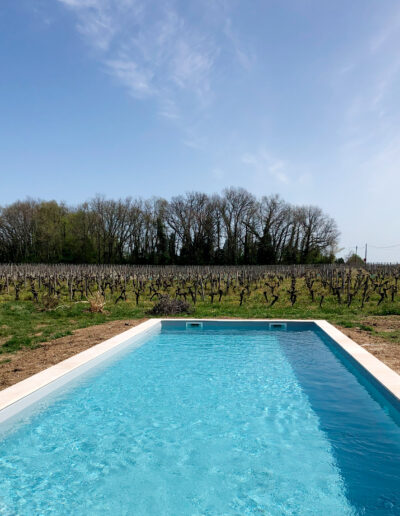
(15, 367)
(388, 352)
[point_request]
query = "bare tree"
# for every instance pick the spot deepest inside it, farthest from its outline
(236, 207)
(195, 228)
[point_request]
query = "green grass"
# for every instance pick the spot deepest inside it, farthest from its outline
(26, 324)
(364, 327)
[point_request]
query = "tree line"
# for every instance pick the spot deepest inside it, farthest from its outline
(231, 228)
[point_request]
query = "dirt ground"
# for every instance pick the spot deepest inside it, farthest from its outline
(388, 352)
(15, 367)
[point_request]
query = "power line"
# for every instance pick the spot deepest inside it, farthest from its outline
(372, 246)
(385, 246)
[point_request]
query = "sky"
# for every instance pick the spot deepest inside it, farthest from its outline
(150, 98)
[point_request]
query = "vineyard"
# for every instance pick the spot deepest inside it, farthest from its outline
(41, 303)
(55, 286)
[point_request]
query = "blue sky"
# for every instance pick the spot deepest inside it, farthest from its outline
(146, 97)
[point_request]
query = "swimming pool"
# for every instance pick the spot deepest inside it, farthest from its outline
(216, 419)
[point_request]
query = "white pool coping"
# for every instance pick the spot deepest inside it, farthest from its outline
(381, 372)
(28, 386)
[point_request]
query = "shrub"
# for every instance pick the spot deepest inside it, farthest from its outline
(49, 301)
(169, 306)
(96, 303)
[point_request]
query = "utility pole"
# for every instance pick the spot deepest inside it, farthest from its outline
(356, 250)
(365, 258)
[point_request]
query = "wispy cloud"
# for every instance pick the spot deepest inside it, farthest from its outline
(138, 80)
(95, 21)
(386, 33)
(243, 56)
(377, 68)
(153, 50)
(266, 166)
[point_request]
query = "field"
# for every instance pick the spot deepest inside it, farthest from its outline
(42, 303)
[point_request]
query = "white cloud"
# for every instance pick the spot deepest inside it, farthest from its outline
(95, 21)
(367, 93)
(169, 109)
(384, 36)
(244, 57)
(379, 64)
(136, 79)
(191, 65)
(153, 50)
(265, 165)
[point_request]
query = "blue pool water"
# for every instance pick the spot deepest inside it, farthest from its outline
(209, 422)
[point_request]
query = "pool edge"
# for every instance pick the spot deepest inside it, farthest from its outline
(382, 373)
(33, 383)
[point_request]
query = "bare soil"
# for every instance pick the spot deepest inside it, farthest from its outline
(15, 367)
(388, 352)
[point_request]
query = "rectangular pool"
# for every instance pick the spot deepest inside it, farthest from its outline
(217, 419)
